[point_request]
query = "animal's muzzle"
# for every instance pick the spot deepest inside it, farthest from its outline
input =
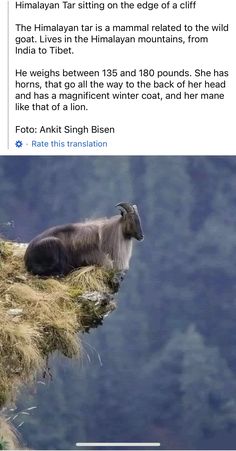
(140, 237)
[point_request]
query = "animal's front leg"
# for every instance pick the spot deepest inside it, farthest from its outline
(98, 258)
(107, 262)
(117, 279)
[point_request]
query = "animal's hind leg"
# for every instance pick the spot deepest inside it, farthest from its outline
(47, 257)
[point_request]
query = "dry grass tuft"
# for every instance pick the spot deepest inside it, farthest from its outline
(39, 316)
(90, 278)
(9, 437)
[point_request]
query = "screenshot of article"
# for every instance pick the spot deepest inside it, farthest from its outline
(117, 77)
(117, 225)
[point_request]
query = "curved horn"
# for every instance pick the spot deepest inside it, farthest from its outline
(127, 207)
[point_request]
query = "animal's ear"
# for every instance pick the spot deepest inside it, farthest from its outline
(135, 208)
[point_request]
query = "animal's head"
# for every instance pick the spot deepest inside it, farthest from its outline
(131, 223)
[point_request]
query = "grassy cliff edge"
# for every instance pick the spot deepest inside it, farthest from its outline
(43, 315)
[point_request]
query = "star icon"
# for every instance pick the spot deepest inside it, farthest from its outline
(19, 144)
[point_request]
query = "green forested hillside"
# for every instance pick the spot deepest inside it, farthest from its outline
(163, 366)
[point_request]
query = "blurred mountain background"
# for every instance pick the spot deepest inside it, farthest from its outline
(163, 365)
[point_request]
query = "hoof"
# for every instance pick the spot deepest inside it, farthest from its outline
(117, 279)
